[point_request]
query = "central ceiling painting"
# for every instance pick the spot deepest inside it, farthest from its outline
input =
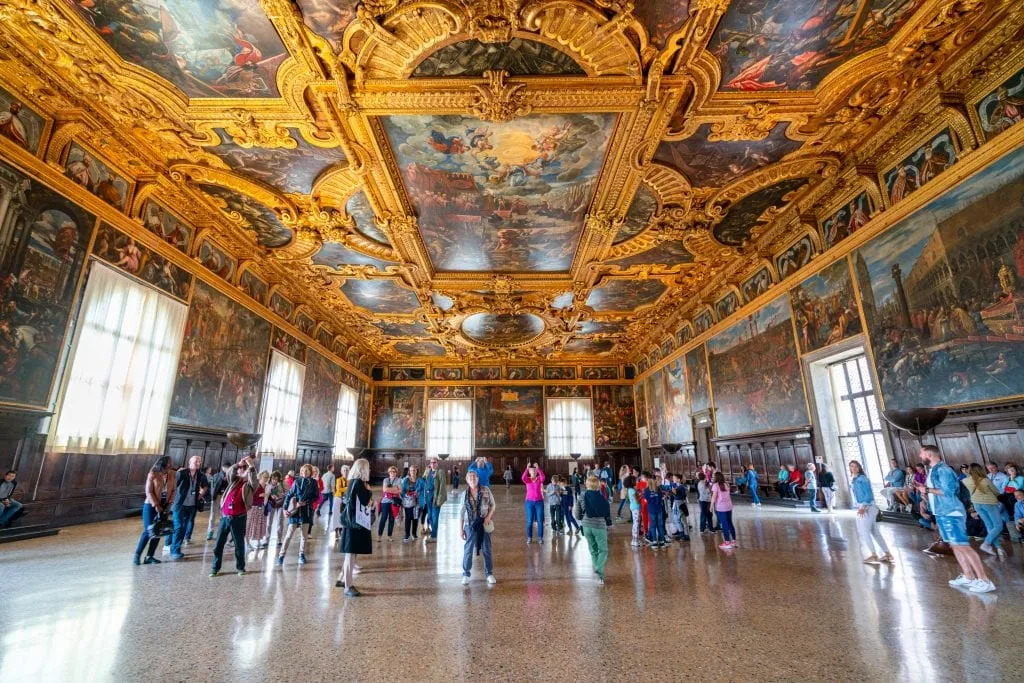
(505, 197)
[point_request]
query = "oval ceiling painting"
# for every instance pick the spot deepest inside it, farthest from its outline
(502, 329)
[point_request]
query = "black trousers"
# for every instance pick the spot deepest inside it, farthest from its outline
(235, 526)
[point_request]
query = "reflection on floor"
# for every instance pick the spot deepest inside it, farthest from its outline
(794, 602)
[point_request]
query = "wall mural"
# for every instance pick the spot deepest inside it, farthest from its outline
(825, 308)
(756, 285)
(640, 404)
(614, 417)
(253, 285)
(697, 380)
(793, 45)
(446, 374)
(359, 209)
(727, 306)
(604, 372)
(521, 373)
(671, 253)
(288, 345)
(484, 373)
(509, 417)
(742, 218)
(305, 323)
(97, 177)
(847, 220)
(207, 48)
(450, 392)
(324, 335)
(216, 260)
(560, 372)
(420, 348)
(19, 123)
(639, 214)
(716, 164)
(407, 374)
(281, 305)
(500, 196)
(167, 226)
(567, 391)
(320, 391)
(683, 335)
(998, 111)
(269, 231)
(365, 411)
(42, 251)
(337, 255)
(398, 417)
(328, 18)
(667, 405)
(942, 294)
(755, 373)
(921, 167)
(625, 295)
(380, 296)
(518, 57)
(795, 257)
(502, 329)
(703, 322)
(136, 259)
(288, 170)
(222, 365)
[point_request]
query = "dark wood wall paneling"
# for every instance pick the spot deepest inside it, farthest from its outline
(968, 435)
(382, 459)
(766, 451)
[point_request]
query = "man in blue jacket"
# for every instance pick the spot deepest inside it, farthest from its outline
(943, 490)
(484, 469)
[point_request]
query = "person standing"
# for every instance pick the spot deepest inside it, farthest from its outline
(827, 482)
(356, 539)
(508, 477)
(655, 515)
(484, 469)
(391, 492)
(8, 506)
(721, 501)
(257, 522)
(412, 493)
(298, 509)
(340, 489)
(942, 489)
(275, 498)
(455, 479)
(704, 493)
(811, 484)
(189, 487)
(595, 516)
(533, 477)
(438, 498)
(476, 521)
(328, 479)
(985, 500)
(867, 517)
(234, 507)
(426, 499)
(752, 486)
(152, 509)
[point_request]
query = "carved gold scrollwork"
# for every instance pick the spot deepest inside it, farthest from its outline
(499, 100)
(247, 132)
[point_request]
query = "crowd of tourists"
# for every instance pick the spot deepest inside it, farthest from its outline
(247, 506)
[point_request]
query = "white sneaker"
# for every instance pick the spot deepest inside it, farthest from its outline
(986, 548)
(981, 586)
(1000, 553)
(960, 581)
(491, 580)
(465, 580)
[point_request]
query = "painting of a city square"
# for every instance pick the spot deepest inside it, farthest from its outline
(943, 294)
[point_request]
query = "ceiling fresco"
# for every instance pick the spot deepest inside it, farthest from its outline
(485, 181)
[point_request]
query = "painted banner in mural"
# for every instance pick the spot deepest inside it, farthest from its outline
(697, 380)
(825, 308)
(42, 252)
(398, 417)
(136, 259)
(943, 294)
(222, 365)
(614, 417)
(320, 392)
(755, 373)
(509, 417)
(668, 407)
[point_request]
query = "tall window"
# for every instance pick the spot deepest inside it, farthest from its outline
(450, 428)
(123, 365)
(860, 428)
(345, 424)
(570, 427)
(281, 404)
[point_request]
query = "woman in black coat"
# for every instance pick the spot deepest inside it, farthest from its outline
(355, 538)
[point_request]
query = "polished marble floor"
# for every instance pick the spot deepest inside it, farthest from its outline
(793, 603)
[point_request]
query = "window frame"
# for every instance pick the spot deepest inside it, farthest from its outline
(549, 432)
(472, 429)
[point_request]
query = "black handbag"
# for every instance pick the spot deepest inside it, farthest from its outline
(163, 525)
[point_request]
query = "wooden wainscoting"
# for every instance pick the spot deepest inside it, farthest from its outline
(381, 459)
(968, 435)
(768, 451)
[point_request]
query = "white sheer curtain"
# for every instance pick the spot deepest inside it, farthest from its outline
(450, 428)
(570, 427)
(123, 366)
(281, 404)
(345, 424)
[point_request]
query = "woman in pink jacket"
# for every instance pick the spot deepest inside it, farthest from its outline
(534, 480)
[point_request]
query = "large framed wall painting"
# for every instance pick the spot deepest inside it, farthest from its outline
(509, 417)
(398, 417)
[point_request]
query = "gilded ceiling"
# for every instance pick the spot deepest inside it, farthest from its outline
(495, 179)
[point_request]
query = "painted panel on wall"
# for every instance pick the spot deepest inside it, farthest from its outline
(605, 372)
(216, 260)
(824, 308)
(518, 57)
(406, 374)
(668, 407)
(222, 365)
(281, 305)
(795, 257)
(365, 411)
(847, 220)
(19, 123)
(614, 417)
(640, 404)
(41, 259)
(167, 226)
(136, 259)
(560, 372)
(726, 306)
(485, 373)
(509, 417)
(320, 392)
(398, 417)
(921, 167)
(450, 392)
(1001, 108)
(697, 380)
(446, 374)
(755, 373)
(756, 285)
(942, 294)
(567, 391)
(305, 323)
(253, 285)
(523, 372)
(88, 171)
(288, 345)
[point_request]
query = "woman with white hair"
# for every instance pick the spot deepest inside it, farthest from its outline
(356, 539)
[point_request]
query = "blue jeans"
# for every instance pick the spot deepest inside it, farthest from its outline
(656, 529)
(621, 503)
(992, 516)
(435, 513)
(329, 502)
(753, 494)
(570, 520)
(812, 497)
(485, 548)
(148, 517)
(725, 522)
(8, 513)
(535, 513)
(184, 517)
